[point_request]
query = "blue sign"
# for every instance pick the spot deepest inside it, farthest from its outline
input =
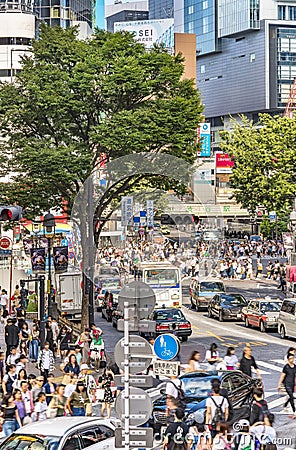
(166, 347)
(150, 213)
(205, 139)
(65, 242)
(272, 216)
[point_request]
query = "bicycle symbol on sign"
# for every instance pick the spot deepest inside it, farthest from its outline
(167, 352)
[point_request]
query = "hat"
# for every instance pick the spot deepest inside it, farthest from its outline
(84, 366)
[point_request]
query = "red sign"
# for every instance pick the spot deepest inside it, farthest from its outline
(224, 160)
(5, 243)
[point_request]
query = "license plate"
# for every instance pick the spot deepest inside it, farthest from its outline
(239, 316)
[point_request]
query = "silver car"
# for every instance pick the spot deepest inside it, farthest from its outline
(287, 319)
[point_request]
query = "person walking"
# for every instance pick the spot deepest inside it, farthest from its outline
(59, 401)
(27, 398)
(72, 366)
(105, 383)
(217, 408)
(212, 355)
(287, 378)
(3, 301)
(12, 335)
(176, 434)
(78, 400)
(248, 361)
(46, 361)
(9, 379)
(40, 408)
(10, 415)
(18, 400)
(34, 343)
(194, 362)
(85, 340)
(230, 359)
(49, 387)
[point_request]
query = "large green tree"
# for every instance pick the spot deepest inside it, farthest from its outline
(264, 154)
(74, 101)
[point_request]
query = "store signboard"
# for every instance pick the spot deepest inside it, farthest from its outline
(224, 163)
(150, 32)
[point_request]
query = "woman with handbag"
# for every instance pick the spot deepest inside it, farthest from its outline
(10, 415)
(105, 383)
(58, 403)
(78, 400)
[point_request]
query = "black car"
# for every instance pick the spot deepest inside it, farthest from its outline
(109, 304)
(171, 320)
(227, 307)
(197, 388)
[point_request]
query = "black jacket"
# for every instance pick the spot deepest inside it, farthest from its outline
(12, 335)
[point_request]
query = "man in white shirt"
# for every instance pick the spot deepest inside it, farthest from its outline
(27, 398)
(172, 390)
(3, 301)
(13, 356)
(213, 403)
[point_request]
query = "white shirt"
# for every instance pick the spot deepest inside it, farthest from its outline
(40, 407)
(220, 400)
(3, 299)
(69, 389)
(231, 360)
(46, 363)
(12, 358)
(171, 387)
(27, 402)
(264, 433)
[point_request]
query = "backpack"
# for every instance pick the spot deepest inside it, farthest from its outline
(264, 411)
(219, 415)
(180, 396)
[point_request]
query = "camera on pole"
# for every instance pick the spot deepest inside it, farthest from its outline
(10, 213)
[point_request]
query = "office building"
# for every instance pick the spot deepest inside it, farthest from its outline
(17, 29)
(161, 9)
(125, 12)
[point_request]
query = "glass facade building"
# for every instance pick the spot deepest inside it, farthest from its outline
(161, 9)
(200, 17)
(286, 63)
(235, 16)
(62, 12)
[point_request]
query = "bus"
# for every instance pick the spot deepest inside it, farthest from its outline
(165, 280)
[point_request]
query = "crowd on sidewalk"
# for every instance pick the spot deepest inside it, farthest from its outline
(64, 376)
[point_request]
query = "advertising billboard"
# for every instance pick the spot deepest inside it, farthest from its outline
(150, 32)
(204, 136)
(224, 163)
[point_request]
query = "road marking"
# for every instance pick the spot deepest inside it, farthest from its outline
(269, 366)
(215, 336)
(279, 361)
(276, 403)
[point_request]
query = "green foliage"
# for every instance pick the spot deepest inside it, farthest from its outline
(74, 100)
(32, 307)
(271, 229)
(265, 161)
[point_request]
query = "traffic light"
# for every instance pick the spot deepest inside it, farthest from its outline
(195, 219)
(176, 219)
(10, 213)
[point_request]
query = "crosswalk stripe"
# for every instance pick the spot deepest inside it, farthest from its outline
(279, 361)
(278, 402)
(269, 366)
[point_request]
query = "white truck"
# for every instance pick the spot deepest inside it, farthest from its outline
(69, 295)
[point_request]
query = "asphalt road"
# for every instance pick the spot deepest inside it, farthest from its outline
(268, 348)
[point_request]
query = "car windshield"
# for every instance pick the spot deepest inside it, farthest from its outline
(30, 442)
(235, 300)
(211, 286)
(270, 306)
(196, 387)
(169, 315)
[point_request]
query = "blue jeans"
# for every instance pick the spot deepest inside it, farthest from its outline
(9, 426)
(78, 411)
(34, 349)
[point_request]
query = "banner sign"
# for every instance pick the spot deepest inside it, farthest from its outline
(224, 163)
(150, 213)
(28, 244)
(150, 32)
(38, 259)
(126, 210)
(204, 137)
(60, 258)
(288, 240)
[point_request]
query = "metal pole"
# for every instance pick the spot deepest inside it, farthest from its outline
(10, 282)
(42, 308)
(126, 379)
(49, 278)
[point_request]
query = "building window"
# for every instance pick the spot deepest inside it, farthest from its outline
(252, 57)
(205, 4)
(292, 12)
(190, 9)
(205, 25)
(190, 27)
(202, 68)
(55, 12)
(282, 12)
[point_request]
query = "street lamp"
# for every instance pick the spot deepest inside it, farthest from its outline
(49, 225)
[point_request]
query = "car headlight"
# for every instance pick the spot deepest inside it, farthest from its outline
(175, 297)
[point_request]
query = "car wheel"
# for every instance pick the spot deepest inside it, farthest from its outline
(283, 332)
(193, 306)
(184, 338)
(247, 322)
(262, 327)
(221, 316)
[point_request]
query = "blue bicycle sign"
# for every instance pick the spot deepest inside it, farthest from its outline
(166, 347)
